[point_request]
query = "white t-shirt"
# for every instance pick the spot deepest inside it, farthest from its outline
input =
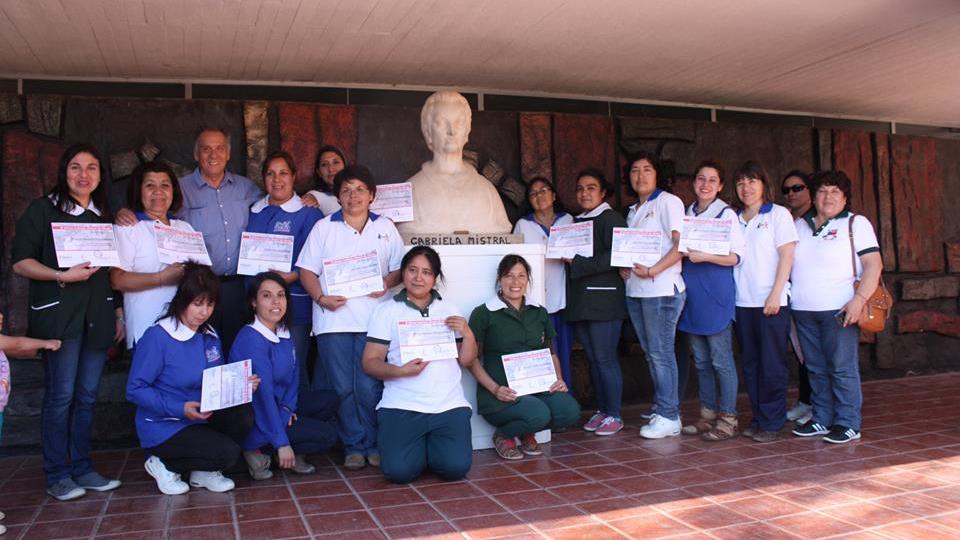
(437, 388)
(662, 212)
(137, 246)
(332, 238)
(771, 228)
(555, 271)
(714, 211)
(822, 274)
(328, 202)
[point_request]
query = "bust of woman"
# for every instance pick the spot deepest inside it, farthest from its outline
(448, 194)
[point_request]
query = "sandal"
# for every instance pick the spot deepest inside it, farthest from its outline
(725, 428)
(506, 447)
(708, 418)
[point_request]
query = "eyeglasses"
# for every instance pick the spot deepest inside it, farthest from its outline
(345, 193)
(796, 189)
(539, 192)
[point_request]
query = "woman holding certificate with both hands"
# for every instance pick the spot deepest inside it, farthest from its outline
(708, 314)
(76, 306)
(338, 253)
(424, 418)
(282, 212)
(166, 382)
(508, 324)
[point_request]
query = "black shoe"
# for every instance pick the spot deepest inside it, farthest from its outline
(810, 429)
(841, 435)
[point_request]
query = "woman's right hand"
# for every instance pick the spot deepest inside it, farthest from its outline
(624, 273)
(413, 368)
(191, 411)
(78, 272)
(505, 393)
(171, 275)
(332, 303)
(125, 218)
(285, 457)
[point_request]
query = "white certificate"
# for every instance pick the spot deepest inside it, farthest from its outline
(566, 241)
(394, 201)
(353, 276)
(710, 235)
(178, 245)
(85, 242)
(226, 386)
(635, 246)
(530, 372)
(426, 339)
(260, 252)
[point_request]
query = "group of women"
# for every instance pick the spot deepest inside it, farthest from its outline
(814, 270)
(408, 416)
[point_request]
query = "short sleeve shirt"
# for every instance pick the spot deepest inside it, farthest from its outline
(333, 238)
(437, 388)
(771, 228)
(555, 272)
(662, 212)
(823, 273)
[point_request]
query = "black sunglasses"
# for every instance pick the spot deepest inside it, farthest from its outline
(796, 189)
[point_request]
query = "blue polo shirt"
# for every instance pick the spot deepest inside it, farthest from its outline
(220, 214)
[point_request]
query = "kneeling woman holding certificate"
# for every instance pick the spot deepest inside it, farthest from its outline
(292, 422)
(416, 344)
(529, 395)
(166, 383)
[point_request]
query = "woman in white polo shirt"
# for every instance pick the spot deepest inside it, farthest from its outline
(763, 312)
(424, 416)
(656, 293)
(340, 323)
(148, 284)
(535, 228)
(827, 306)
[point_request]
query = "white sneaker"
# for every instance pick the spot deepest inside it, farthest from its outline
(660, 427)
(212, 480)
(801, 413)
(168, 482)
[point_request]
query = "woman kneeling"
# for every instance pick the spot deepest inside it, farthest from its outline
(509, 324)
(423, 418)
(293, 423)
(165, 384)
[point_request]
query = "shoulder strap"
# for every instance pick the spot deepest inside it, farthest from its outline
(853, 251)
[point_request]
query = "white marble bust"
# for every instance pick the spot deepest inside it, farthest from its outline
(448, 194)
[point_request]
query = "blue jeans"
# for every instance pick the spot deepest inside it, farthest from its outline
(600, 340)
(714, 359)
(71, 380)
(832, 358)
(655, 322)
(763, 347)
(563, 344)
(359, 393)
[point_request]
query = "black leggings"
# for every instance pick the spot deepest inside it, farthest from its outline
(213, 446)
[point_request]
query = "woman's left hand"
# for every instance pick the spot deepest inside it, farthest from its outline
(853, 309)
(695, 256)
(293, 418)
(558, 386)
(380, 293)
(255, 380)
(772, 305)
(285, 457)
(458, 324)
(310, 201)
(121, 330)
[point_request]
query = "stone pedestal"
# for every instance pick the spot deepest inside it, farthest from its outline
(470, 277)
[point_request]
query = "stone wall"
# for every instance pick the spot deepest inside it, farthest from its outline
(901, 183)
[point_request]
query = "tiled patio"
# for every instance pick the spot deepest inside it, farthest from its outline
(902, 480)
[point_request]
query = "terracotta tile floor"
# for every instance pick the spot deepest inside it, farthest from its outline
(902, 480)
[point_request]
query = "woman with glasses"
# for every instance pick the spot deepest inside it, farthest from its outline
(535, 228)
(339, 322)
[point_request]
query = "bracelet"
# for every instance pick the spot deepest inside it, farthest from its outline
(58, 275)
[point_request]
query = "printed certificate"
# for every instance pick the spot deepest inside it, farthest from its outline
(260, 252)
(427, 339)
(709, 235)
(85, 242)
(394, 201)
(635, 246)
(566, 241)
(353, 276)
(226, 386)
(177, 245)
(530, 372)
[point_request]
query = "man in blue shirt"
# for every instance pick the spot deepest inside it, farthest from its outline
(217, 203)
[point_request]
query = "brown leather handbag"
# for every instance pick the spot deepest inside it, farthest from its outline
(876, 310)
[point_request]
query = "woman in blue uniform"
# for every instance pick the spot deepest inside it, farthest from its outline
(165, 384)
(292, 422)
